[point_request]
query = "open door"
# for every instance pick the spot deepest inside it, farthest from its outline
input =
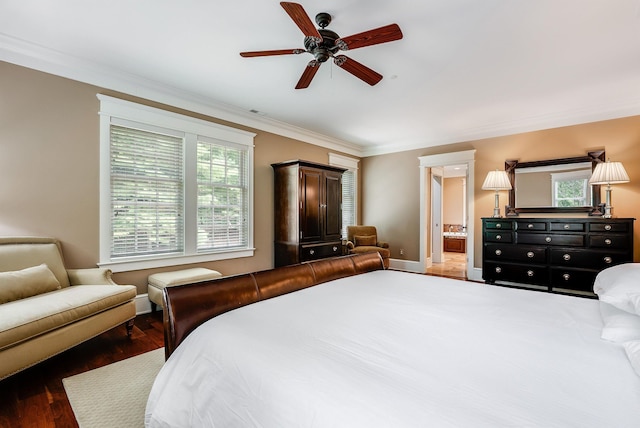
(437, 250)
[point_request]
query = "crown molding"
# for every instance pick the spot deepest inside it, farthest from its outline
(43, 59)
(595, 113)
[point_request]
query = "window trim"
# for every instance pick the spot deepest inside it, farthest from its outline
(114, 110)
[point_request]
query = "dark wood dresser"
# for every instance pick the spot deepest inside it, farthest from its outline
(308, 211)
(561, 254)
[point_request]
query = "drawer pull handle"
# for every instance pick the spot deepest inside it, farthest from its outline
(566, 257)
(498, 269)
(530, 226)
(335, 248)
(608, 260)
(498, 252)
(566, 277)
(312, 252)
(607, 241)
(498, 225)
(529, 273)
(530, 254)
(567, 227)
(498, 237)
(547, 239)
(607, 227)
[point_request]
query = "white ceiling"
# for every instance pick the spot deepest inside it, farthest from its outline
(465, 69)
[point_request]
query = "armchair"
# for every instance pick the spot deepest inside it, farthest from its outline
(364, 239)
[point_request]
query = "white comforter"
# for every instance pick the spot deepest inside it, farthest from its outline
(393, 349)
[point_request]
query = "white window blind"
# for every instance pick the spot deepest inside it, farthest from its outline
(348, 200)
(222, 197)
(349, 189)
(146, 193)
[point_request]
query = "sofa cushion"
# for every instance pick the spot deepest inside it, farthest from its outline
(24, 319)
(366, 240)
(384, 252)
(16, 285)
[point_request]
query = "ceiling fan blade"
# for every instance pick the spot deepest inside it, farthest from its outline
(302, 20)
(384, 34)
(362, 72)
(273, 52)
(307, 75)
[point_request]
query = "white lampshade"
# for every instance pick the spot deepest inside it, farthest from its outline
(496, 180)
(609, 173)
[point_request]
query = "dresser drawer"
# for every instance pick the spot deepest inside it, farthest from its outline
(566, 257)
(531, 225)
(568, 227)
(516, 253)
(609, 227)
(319, 251)
(498, 224)
(573, 279)
(494, 236)
(551, 239)
(530, 274)
(609, 241)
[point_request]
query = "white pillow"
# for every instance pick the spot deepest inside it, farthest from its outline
(633, 352)
(618, 325)
(619, 286)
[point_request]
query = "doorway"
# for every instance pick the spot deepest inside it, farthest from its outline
(431, 199)
(449, 221)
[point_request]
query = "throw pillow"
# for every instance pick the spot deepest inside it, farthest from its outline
(362, 240)
(16, 285)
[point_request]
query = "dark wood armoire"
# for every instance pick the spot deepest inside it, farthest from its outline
(308, 211)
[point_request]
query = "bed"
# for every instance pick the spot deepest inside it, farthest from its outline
(345, 343)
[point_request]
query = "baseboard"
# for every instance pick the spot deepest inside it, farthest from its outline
(475, 275)
(143, 305)
(406, 265)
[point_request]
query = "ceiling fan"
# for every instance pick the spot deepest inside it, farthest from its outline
(324, 44)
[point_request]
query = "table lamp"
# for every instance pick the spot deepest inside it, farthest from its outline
(608, 173)
(496, 180)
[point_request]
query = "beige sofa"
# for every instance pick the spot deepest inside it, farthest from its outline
(46, 308)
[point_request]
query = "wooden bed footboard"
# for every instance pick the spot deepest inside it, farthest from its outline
(187, 306)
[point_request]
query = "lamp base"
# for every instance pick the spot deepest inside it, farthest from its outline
(496, 209)
(607, 206)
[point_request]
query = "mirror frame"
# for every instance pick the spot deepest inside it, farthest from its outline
(510, 167)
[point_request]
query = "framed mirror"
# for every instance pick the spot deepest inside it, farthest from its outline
(554, 185)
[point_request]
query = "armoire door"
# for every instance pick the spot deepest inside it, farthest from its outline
(310, 201)
(332, 206)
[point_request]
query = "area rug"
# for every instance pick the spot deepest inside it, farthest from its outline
(114, 395)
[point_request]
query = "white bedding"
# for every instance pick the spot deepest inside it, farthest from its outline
(393, 349)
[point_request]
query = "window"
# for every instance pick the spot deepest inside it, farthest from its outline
(173, 189)
(571, 189)
(349, 189)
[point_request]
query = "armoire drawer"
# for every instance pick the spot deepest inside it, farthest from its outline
(319, 251)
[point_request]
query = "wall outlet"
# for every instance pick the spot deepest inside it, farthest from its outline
(402, 251)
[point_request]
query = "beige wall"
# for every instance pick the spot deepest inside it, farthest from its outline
(49, 165)
(400, 225)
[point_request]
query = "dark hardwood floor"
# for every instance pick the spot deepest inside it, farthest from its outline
(35, 397)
